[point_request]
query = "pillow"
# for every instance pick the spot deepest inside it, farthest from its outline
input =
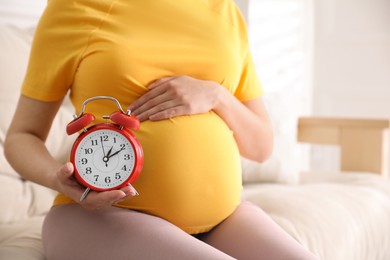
(32, 199)
(15, 44)
(283, 165)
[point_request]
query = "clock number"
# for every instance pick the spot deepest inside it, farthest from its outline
(123, 146)
(114, 140)
(84, 161)
(88, 170)
(88, 150)
(94, 142)
(124, 168)
(96, 177)
(117, 176)
(127, 157)
(104, 138)
(107, 179)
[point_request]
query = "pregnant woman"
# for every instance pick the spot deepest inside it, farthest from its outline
(185, 69)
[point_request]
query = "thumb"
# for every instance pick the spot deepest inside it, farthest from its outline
(66, 170)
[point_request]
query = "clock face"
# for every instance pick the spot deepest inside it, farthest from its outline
(104, 158)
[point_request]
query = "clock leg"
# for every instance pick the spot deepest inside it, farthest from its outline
(85, 194)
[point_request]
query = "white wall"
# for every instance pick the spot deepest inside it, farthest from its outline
(243, 5)
(280, 35)
(352, 58)
(23, 13)
(351, 63)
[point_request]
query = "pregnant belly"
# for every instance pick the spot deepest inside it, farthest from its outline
(191, 175)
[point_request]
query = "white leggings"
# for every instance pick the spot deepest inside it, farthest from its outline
(72, 233)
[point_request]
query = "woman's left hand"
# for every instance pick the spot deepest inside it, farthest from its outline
(176, 96)
(183, 95)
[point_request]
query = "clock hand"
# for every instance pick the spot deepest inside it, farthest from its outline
(104, 153)
(115, 153)
(109, 152)
(105, 157)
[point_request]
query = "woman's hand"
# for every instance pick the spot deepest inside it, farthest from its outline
(95, 200)
(183, 95)
(176, 96)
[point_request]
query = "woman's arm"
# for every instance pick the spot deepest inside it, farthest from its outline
(183, 95)
(26, 151)
(250, 124)
(24, 145)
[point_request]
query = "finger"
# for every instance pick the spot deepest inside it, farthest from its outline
(161, 81)
(168, 113)
(113, 196)
(133, 191)
(170, 104)
(151, 109)
(98, 200)
(129, 191)
(67, 169)
(151, 94)
(65, 172)
(145, 98)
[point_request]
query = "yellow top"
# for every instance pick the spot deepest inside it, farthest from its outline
(192, 174)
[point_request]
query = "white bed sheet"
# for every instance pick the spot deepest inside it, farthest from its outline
(337, 216)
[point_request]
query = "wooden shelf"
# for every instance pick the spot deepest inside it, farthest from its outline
(363, 142)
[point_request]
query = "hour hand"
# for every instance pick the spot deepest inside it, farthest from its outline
(106, 157)
(109, 152)
(109, 156)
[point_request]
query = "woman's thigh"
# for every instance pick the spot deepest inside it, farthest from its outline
(249, 233)
(71, 232)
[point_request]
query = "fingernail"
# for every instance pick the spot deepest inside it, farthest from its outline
(133, 191)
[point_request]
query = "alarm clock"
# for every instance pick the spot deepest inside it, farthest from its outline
(106, 156)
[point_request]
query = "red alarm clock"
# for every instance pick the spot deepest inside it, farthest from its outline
(106, 156)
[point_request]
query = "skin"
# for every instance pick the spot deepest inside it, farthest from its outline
(167, 97)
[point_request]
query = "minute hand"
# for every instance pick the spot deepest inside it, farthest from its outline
(111, 155)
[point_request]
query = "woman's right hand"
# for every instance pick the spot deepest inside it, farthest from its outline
(68, 185)
(26, 139)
